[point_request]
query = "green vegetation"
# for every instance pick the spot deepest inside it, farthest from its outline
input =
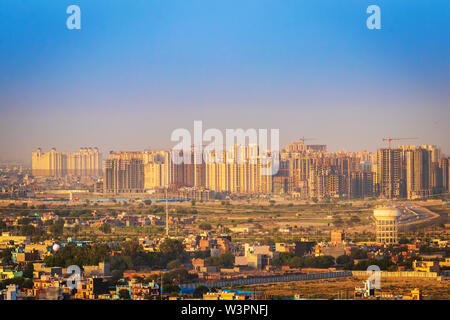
(6, 257)
(293, 261)
(345, 261)
(105, 228)
(20, 281)
(28, 271)
(224, 260)
(200, 291)
(72, 254)
(356, 253)
(384, 264)
(57, 229)
(124, 294)
(205, 226)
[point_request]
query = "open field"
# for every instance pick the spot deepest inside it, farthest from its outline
(344, 287)
(301, 219)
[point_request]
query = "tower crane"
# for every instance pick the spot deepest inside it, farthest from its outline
(389, 139)
(303, 139)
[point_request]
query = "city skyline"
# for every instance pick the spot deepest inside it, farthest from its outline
(104, 153)
(302, 171)
(135, 73)
(234, 156)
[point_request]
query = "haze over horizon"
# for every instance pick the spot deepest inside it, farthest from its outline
(137, 71)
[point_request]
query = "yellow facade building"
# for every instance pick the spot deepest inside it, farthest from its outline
(83, 163)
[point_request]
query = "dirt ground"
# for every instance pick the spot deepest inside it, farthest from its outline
(344, 288)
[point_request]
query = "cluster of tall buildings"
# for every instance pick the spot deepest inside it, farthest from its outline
(238, 171)
(412, 172)
(131, 172)
(312, 172)
(305, 171)
(404, 172)
(84, 163)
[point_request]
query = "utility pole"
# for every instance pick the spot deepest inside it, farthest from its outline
(167, 216)
(161, 287)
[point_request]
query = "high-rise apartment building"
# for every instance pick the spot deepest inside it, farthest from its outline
(240, 170)
(157, 169)
(48, 164)
(83, 163)
(155, 175)
(444, 165)
(123, 175)
(136, 171)
(390, 175)
(304, 172)
(418, 173)
(361, 184)
(317, 147)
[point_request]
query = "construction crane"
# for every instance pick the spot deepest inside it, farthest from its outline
(303, 139)
(389, 139)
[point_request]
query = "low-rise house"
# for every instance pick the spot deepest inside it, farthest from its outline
(9, 274)
(91, 289)
(139, 291)
(102, 269)
(426, 266)
(40, 268)
(445, 263)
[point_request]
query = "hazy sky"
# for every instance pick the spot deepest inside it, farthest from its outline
(137, 70)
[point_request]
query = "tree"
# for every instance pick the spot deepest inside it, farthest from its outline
(403, 240)
(27, 230)
(81, 256)
(20, 281)
(355, 219)
(205, 226)
(172, 248)
(57, 229)
(171, 288)
(295, 262)
(202, 254)
(6, 256)
(345, 261)
(131, 248)
(174, 264)
(384, 264)
(105, 228)
(224, 260)
(116, 275)
(76, 229)
(338, 222)
(200, 291)
(28, 271)
(124, 294)
(357, 253)
(24, 221)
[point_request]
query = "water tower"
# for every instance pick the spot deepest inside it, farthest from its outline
(386, 220)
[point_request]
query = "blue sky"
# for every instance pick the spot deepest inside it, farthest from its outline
(137, 70)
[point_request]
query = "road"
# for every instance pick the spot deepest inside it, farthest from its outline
(414, 213)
